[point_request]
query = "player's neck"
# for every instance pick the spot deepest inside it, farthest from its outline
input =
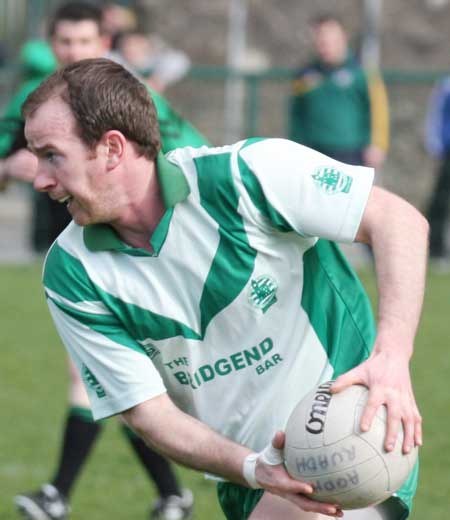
(144, 209)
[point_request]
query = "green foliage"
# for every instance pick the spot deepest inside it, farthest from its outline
(33, 387)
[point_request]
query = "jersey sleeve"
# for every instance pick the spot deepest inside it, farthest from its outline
(301, 190)
(114, 367)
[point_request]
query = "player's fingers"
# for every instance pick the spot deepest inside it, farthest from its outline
(278, 440)
(392, 428)
(302, 488)
(298, 487)
(369, 412)
(275, 479)
(353, 377)
(417, 420)
(312, 506)
(408, 434)
(290, 487)
(418, 438)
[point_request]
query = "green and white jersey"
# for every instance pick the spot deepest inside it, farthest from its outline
(241, 309)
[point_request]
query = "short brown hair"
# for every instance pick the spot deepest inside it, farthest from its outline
(75, 12)
(324, 18)
(102, 96)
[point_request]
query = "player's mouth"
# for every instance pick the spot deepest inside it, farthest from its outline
(65, 199)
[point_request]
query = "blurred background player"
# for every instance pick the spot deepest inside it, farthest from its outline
(141, 51)
(437, 142)
(75, 33)
(36, 61)
(336, 107)
(152, 58)
(117, 19)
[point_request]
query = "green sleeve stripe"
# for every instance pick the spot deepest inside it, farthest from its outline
(234, 260)
(146, 324)
(108, 326)
(337, 307)
(66, 276)
(259, 200)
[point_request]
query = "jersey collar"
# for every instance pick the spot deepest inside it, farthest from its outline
(174, 189)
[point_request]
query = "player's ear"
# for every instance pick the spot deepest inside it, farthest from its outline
(114, 145)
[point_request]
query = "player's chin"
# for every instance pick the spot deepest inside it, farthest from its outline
(83, 219)
(85, 215)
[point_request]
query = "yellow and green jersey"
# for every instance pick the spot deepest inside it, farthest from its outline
(342, 108)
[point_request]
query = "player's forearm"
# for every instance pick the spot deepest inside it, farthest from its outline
(398, 234)
(186, 440)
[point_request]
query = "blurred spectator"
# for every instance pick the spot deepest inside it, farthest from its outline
(36, 61)
(152, 58)
(117, 19)
(336, 107)
(143, 53)
(437, 142)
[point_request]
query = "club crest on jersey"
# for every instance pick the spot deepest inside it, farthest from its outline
(331, 180)
(263, 292)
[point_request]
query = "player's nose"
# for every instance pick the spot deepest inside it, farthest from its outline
(43, 180)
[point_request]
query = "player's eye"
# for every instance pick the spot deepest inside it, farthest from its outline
(50, 157)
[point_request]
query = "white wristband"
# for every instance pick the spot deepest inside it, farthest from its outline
(269, 455)
(249, 470)
(272, 456)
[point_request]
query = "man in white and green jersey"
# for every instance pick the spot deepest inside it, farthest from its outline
(195, 294)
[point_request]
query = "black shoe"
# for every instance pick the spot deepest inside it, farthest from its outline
(46, 504)
(174, 507)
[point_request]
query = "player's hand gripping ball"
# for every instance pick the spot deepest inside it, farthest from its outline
(325, 446)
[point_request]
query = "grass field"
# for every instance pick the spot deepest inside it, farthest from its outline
(113, 486)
